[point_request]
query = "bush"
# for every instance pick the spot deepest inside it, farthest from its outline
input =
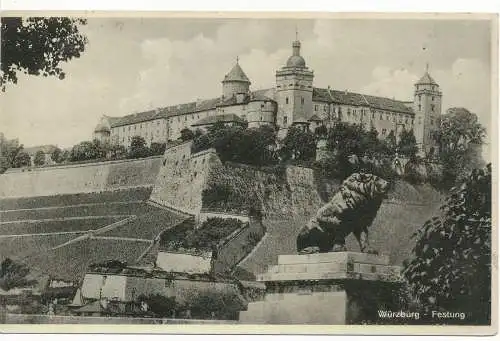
(138, 148)
(216, 305)
(39, 159)
(160, 305)
(253, 146)
(158, 148)
(204, 238)
(451, 265)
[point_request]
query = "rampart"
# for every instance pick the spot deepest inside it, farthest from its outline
(80, 178)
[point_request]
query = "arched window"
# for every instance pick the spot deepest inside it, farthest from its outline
(286, 100)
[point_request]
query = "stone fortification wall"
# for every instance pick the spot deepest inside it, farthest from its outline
(182, 178)
(81, 178)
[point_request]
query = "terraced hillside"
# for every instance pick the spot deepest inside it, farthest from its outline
(61, 235)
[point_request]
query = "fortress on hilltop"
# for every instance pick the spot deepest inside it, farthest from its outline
(293, 101)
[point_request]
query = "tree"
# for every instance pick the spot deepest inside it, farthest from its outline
(459, 141)
(390, 143)
(158, 148)
(22, 159)
(116, 151)
(57, 155)
(234, 143)
(39, 159)
(88, 150)
(37, 46)
(138, 148)
(186, 134)
(13, 275)
(9, 150)
(407, 145)
(451, 265)
(298, 145)
(321, 131)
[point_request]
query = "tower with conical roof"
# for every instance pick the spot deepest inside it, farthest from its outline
(294, 89)
(235, 82)
(427, 108)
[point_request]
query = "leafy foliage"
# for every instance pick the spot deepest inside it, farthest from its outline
(160, 305)
(57, 155)
(87, 150)
(253, 146)
(138, 148)
(158, 148)
(451, 266)
(298, 145)
(407, 145)
(459, 139)
(37, 46)
(187, 134)
(13, 275)
(22, 159)
(39, 159)
(204, 238)
(217, 305)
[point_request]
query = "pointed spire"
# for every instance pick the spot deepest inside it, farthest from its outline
(296, 33)
(427, 67)
(237, 59)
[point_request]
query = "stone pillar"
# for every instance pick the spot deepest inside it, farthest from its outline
(325, 288)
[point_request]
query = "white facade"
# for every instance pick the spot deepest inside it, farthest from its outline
(294, 100)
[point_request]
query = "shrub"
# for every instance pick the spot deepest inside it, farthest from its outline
(160, 305)
(217, 305)
(451, 265)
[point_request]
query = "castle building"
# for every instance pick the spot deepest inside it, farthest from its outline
(293, 101)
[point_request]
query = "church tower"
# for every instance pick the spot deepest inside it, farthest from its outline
(427, 108)
(294, 89)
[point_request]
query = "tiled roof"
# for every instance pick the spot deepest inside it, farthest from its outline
(186, 108)
(219, 118)
(426, 79)
(352, 98)
(315, 118)
(236, 74)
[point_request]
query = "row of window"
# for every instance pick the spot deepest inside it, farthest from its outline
(146, 124)
(433, 87)
(432, 107)
(420, 98)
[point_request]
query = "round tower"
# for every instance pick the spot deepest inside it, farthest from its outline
(427, 108)
(102, 131)
(235, 82)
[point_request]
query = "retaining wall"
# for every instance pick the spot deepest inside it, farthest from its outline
(81, 178)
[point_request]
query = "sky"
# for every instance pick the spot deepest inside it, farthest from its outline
(133, 64)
